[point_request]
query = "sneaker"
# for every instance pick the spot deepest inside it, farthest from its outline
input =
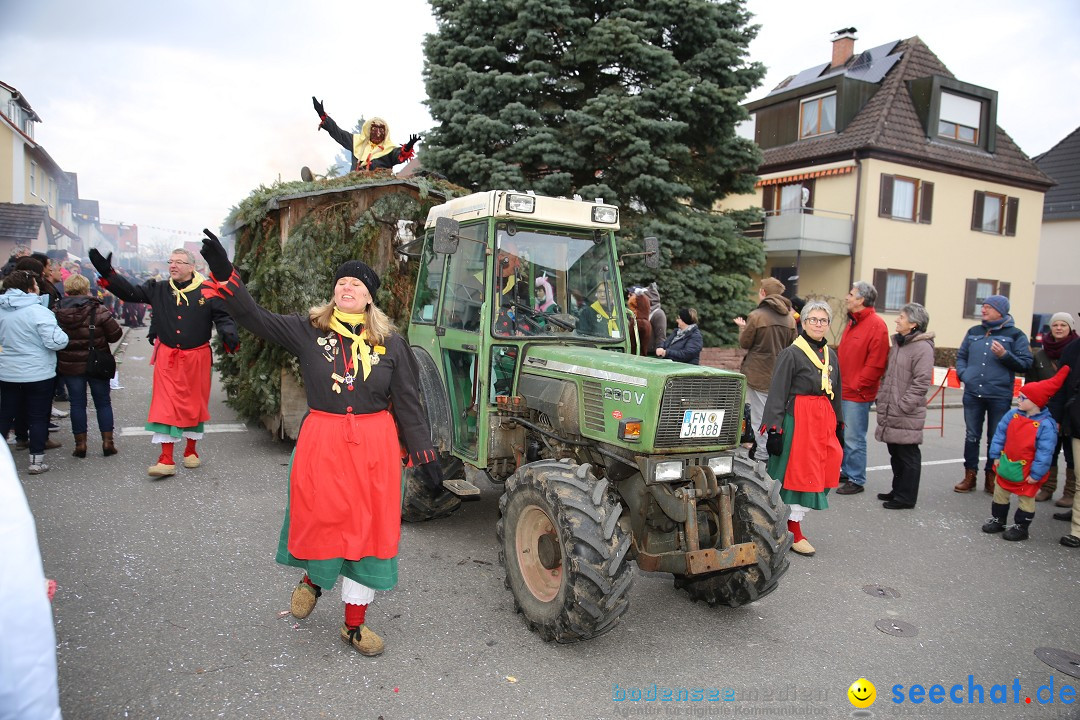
(363, 639)
(303, 600)
(993, 525)
(1016, 532)
(36, 468)
(849, 488)
(58, 413)
(53, 427)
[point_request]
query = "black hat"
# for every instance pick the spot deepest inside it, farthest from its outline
(362, 272)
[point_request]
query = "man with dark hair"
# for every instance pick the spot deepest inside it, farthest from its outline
(863, 353)
(183, 320)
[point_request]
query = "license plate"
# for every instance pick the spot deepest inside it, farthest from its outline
(701, 423)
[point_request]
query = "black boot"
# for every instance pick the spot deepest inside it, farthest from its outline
(1019, 529)
(999, 516)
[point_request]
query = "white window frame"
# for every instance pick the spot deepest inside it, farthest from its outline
(33, 178)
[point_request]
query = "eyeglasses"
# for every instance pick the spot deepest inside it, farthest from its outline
(178, 262)
(816, 321)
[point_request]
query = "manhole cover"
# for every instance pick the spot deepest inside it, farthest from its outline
(1063, 660)
(899, 628)
(880, 591)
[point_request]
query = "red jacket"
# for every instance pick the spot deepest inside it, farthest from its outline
(863, 353)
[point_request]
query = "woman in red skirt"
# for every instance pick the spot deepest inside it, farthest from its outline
(802, 416)
(344, 511)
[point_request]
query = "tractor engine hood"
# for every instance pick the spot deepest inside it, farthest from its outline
(682, 408)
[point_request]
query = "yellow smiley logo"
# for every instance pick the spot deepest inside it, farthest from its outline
(862, 693)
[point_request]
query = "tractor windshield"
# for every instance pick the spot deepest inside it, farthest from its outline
(549, 283)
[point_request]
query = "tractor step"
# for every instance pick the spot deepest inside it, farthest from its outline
(461, 487)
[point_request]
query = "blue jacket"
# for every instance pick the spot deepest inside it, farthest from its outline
(1045, 440)
(29, 338)
(686, 347)
(983, 373)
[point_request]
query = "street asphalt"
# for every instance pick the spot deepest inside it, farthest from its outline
(170, 604)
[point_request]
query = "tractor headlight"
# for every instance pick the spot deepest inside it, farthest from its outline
(722, 465)
(608, 215)
(670, 471)
(521, 203)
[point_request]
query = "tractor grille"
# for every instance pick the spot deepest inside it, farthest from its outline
(681, 394)
(593, 404)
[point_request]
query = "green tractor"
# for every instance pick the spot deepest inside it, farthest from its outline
(604, 457)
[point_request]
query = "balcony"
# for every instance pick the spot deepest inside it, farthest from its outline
(789, 232)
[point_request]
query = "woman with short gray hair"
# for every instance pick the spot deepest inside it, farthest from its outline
(901, 404)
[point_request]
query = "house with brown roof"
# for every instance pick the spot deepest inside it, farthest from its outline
(1057, 281)
(882, 166)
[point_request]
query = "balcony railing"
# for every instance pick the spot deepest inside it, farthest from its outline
(789, 232)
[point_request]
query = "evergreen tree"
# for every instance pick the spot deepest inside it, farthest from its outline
(632, 101)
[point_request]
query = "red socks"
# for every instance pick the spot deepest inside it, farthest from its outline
(190, 449)
(166, 454)
(354, 614)
(795, 529)
(307, 580)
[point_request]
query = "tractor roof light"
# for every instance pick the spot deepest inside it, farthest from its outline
(605, 214)
(521, 203)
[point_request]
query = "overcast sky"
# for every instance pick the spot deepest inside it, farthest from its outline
(172, 113)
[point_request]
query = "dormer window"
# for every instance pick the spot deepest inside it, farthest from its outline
(817, 116)
(959, 118)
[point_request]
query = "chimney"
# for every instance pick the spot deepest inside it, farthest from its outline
(843, 46)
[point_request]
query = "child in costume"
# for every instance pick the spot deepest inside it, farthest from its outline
(1022, 449)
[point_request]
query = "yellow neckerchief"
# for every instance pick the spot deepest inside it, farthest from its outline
(824, 367)
(509, 284)
(365, 150)
(612, 325)
(359, 346)
(181, 293)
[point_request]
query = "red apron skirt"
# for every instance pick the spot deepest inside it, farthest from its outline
(345, 487)
(181, 386)
(815, 456)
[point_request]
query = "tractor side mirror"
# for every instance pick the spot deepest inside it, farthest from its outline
(446, 236)
(652, 253)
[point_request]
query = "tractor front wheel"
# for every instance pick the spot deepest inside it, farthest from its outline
(563, 550)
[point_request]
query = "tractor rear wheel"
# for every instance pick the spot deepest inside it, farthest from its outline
(563, 550)
(760, 516)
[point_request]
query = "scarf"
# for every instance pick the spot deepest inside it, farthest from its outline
(1054, 347)
(612, 326)
(825, 367)
(365, 150)
(181, 293)
(995, 324)
(359, 348)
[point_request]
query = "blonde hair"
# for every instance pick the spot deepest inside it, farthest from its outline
(378, 327)
(76, 285)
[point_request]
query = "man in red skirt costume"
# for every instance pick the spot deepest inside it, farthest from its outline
(182, 359)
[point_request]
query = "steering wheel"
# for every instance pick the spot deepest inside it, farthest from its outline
(542, 316)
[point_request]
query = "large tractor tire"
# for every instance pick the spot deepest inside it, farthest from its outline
(563, 550)
(761, 516)
(417, 504)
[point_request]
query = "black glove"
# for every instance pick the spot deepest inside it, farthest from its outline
(102, 264)
(432, 477)
(840, 434)
(775, 443)
(412, 141)
(230, 345)
(318, 107)
(215, 256)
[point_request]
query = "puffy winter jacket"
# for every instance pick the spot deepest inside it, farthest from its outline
(985, 374)
(901, 401)
(685, 347)
(29, 338)
(769, 328)
(74, 318)
(863, 352)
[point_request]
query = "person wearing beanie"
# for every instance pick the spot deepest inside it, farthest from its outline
(987, 361)
(685, 345)
(183, 321)
(1045, 363)
(365, 416)
(1021, 451)
(768, 329)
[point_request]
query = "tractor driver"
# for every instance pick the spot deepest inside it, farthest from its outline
(599, 318)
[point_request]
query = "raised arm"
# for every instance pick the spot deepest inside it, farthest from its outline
(343, 138)
(116, 283)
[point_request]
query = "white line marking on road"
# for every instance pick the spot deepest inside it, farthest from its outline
(929, 462)
(210, 428)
